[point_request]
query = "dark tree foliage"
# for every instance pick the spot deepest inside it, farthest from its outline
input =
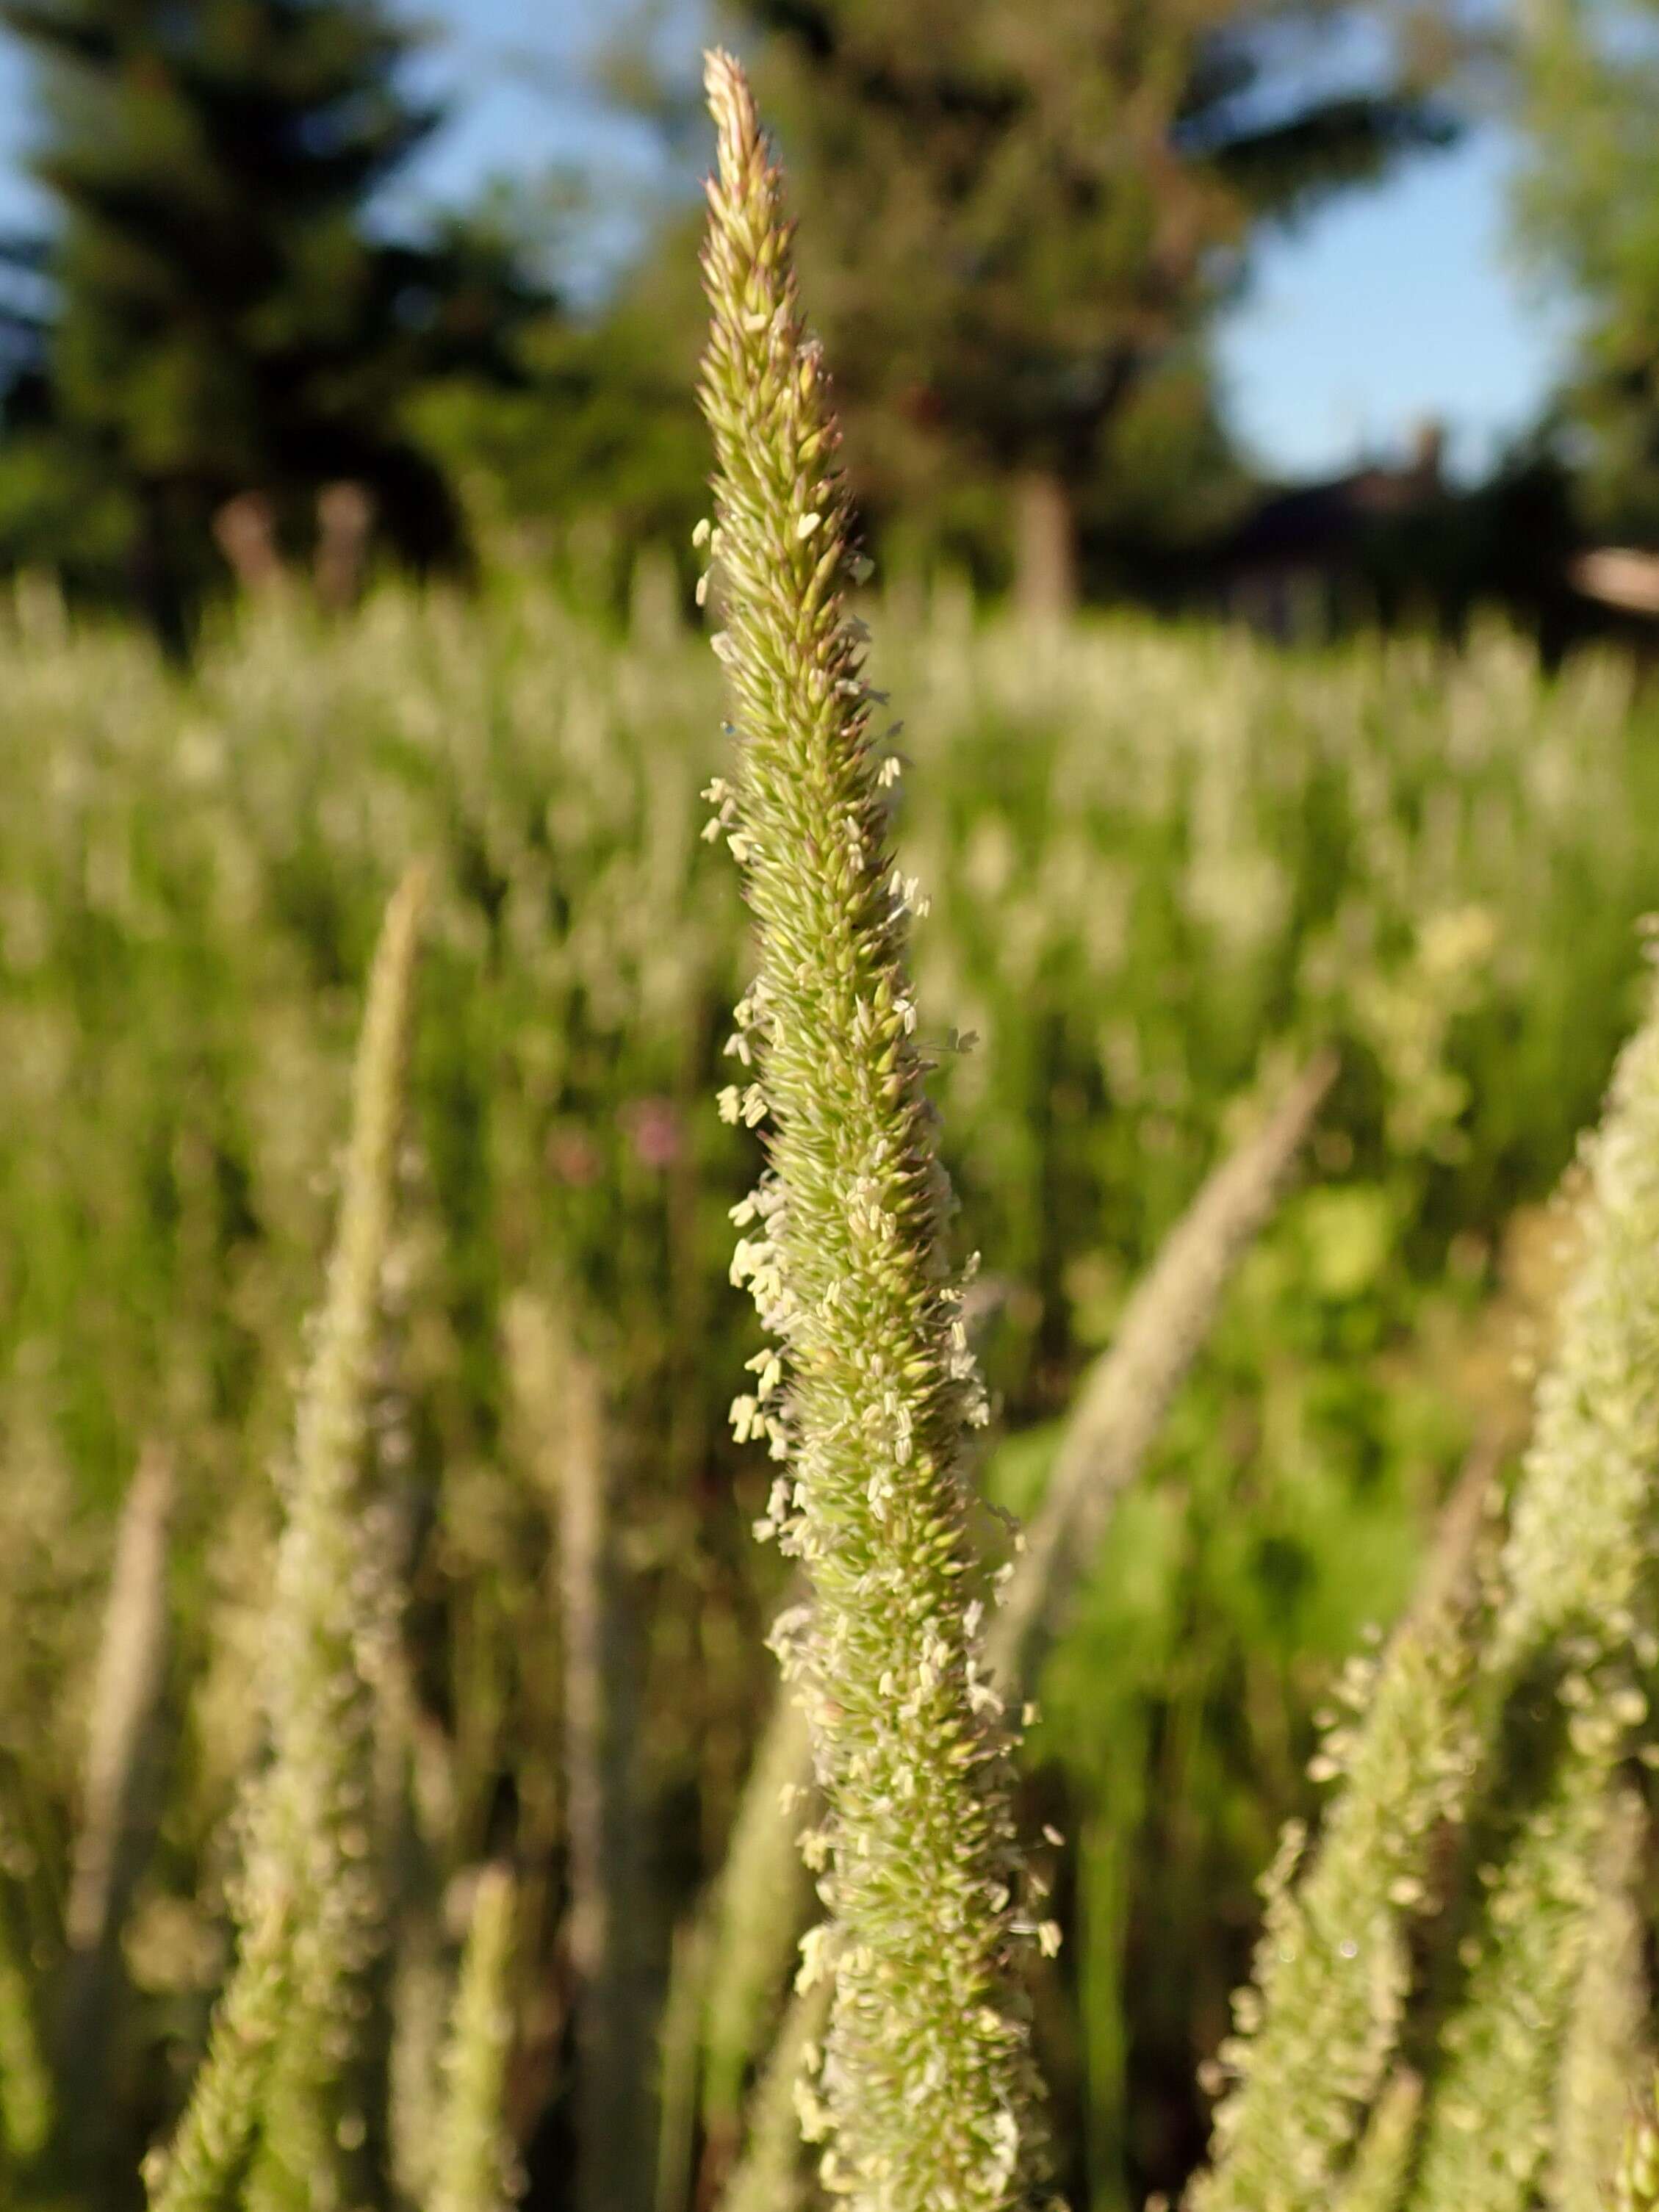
(225, 322)
(1589, 212)
(1022, 213)
(599, 451)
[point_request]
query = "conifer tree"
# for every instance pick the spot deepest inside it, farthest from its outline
(1588, 200)
(1021, 217)
(225, 323)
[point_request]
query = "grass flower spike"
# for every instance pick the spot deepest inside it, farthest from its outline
(280, 2091)
(1537, 1695)
(1375, 2181)
(119, 1807)
(330, 1611)
(1316, 2033)
(1571, 1633)
(926, 2083)
(475, 2168)
(1601, 2070)
(1636, 2186)
(205, 2160)
(764, 1899)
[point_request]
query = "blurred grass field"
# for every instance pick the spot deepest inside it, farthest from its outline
(1163, 864)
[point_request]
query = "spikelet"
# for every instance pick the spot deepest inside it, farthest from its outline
(762, 1898)
(926, 2073)
(474, 2165)
(1579, 1550)
(293, 2018)
(1316, 2033)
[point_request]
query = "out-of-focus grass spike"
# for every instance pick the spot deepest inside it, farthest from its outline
(118, 1803)
(762, 1901)
(1636, 2184)
(1576, 1566)
(1488, 2128)
(769, 2177)
(607, 1910)
(1317, 2031)
(679, 2043)
(419, 1999)
(474, 2159)
(1376, 2181)
(292, 2024)
(27, 2106)
(201, 2169)
(331, 1622)
(1603, 2064)
(1126, 1397)
(416, 1821)
(1582, 1530)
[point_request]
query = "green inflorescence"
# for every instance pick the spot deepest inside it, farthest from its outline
(926, 2081)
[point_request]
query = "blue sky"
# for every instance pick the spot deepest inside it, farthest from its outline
(1390, 308)
(1386, 308)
